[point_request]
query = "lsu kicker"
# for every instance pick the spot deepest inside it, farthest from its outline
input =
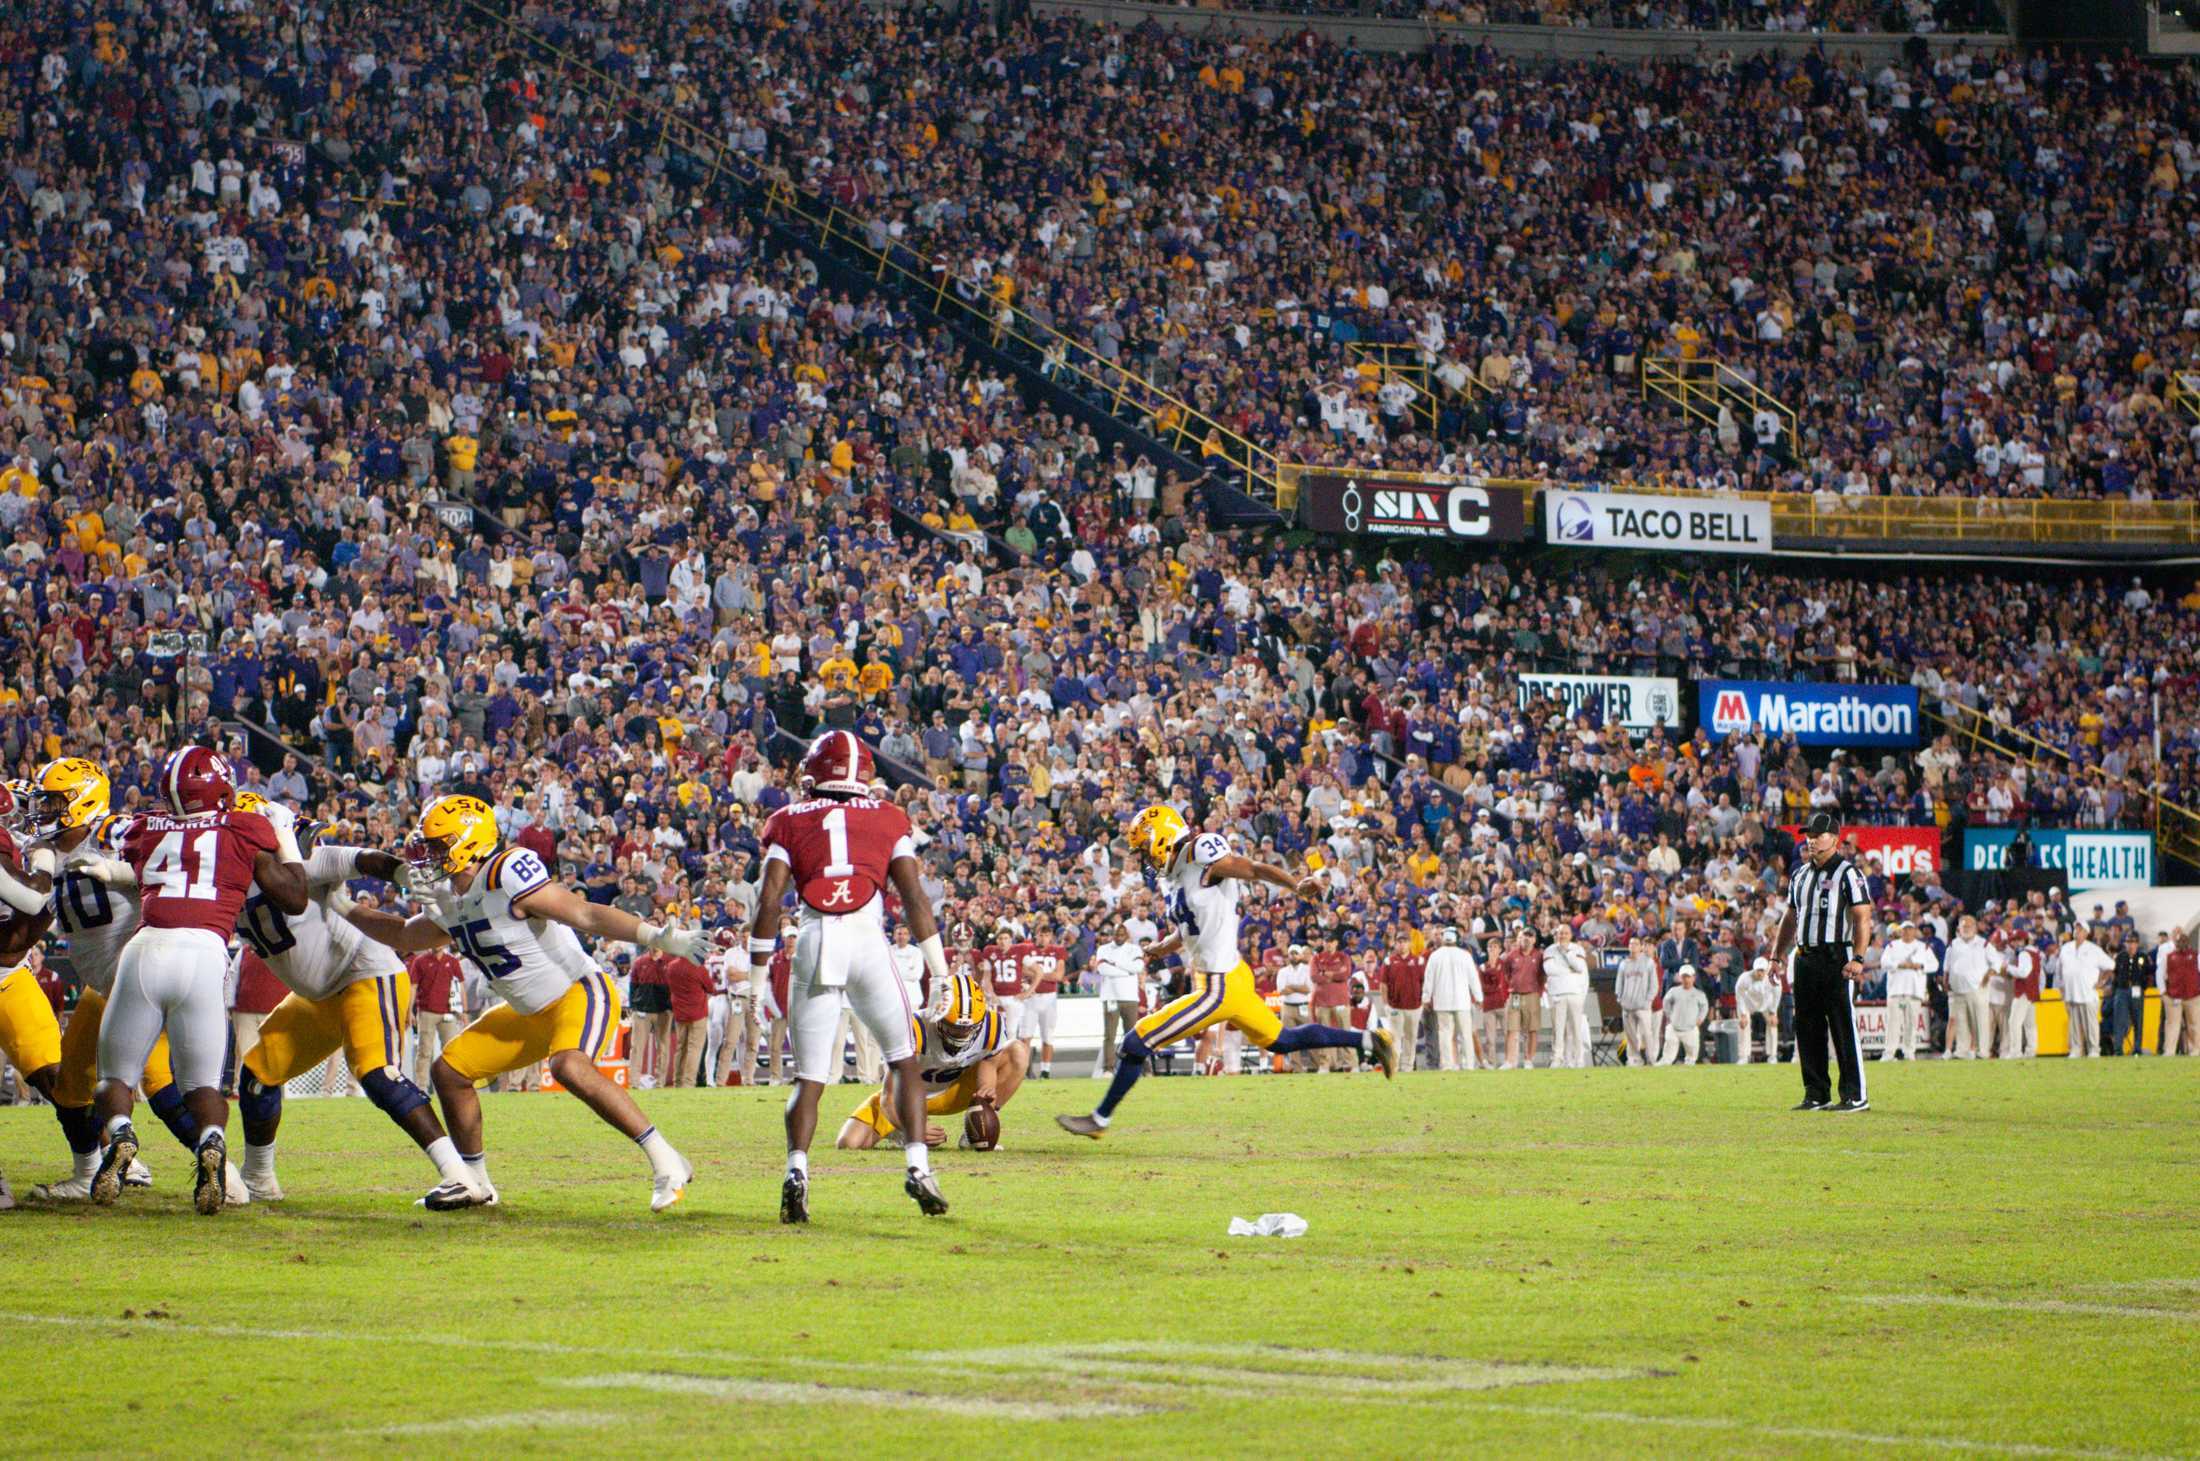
(1202, 879)
(967, 1058)
(517, 925)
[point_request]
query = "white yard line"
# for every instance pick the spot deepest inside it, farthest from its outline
(1272, 1366)
(2029, 1306)
(787, 1392)
(1755, 1430)
(565, 1420)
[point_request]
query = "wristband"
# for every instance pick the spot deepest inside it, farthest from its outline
(935, 962)
(41, 860)
(20, 896)
(762, 949)
(286, 840)
(646, 936)
(340, 901)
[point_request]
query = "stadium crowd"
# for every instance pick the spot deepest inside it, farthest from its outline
(1922, 17)
(1957, 284)
(458, 444)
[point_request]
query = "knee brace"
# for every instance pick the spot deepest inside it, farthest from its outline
(389, 1089)
(259, 1102)
(167, 1104)
(1134, 1049)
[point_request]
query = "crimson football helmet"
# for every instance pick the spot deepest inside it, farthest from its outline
(197, 780)
(838, 762)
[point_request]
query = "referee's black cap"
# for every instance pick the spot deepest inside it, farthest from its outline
(1820, 824)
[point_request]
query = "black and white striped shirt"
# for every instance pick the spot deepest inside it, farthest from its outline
(1821, 898)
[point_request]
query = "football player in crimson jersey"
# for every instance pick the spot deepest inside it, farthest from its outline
(839, 849)
(194, 866)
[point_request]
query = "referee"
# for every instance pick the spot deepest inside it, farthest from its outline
(1829, 926)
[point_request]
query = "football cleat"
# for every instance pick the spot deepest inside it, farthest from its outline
(68, 1189)
(210, 1184)
(235, 1192)
(925, 1188)
(267, 1190)
(794, 1199)
(1080, 1126)
(138, 1175)
(121, 1151)
(665, 1191)
(456, 1196)
(1382, 1049)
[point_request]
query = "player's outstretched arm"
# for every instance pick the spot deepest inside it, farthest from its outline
(558, 902)
(414, 935)
(1238, 865)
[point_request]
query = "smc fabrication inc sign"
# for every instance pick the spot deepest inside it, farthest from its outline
(1372, 505)
(1814, 714)
(2088, 858)
(1636, 702)
(1692, 524)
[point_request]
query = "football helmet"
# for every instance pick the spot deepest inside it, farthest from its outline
(197, 781)
(17, 798)
(958, 1008)
(251, 801)
(838, 762)
(1156, 831)
(72, 792)
(457, 834)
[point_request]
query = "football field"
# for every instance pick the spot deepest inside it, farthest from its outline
(1998, 1260)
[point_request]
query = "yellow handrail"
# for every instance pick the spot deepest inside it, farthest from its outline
(1168, 418)
(2184, 391)
(1698, 385)
(2176, 827)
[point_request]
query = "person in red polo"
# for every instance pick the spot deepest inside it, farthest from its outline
(692, 986)
(2181, 998)
(1331, 968)
(1403, 975)
(649, 1014)
(439, 1006)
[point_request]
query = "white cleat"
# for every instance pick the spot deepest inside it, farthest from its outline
(458, 1195)
(138, 1175)
(665, 1191)
(269, 1190)
(68, 1189)
(236, 1192)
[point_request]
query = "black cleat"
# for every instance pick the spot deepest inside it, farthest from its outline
(121, 1151)
(794, 1199)
(1808, 1104)
(925, 1188)
(211, 1188)
(1844, 1107)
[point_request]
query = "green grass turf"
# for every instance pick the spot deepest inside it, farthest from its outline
(1998, 1259)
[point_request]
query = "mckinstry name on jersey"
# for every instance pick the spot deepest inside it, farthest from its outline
(313, 953)
(1206, 913)
(529, 962)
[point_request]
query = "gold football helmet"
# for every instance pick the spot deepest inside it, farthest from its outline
(1156, 831)
(71, 792)
(457, 834)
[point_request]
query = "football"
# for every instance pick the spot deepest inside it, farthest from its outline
(983, 1128)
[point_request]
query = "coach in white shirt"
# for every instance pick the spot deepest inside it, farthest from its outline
(2080, 966)
(1685, 1011)
(1635, 988)
(1295, 990)
(1758, 993)
(1566, 983)
(1906, 962)
(1120, 962)
(1453, 981)
(1970, 962)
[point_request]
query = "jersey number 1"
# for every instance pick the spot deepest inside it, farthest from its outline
(165, 870)
(836, 844)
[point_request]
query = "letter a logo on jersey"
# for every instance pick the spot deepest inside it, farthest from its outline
(1730, 712)
(843, 895)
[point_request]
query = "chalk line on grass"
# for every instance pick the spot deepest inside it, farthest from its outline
(568, 1420)
(1812, 1433)
(788, 1392)
(2029, 1306)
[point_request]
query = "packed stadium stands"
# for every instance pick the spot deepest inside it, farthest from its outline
(370, 383)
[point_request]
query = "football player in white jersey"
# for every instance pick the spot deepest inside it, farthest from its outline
(347, 993)
(967, 1059)
(69, 814)
(518, 926)
(1201, 879)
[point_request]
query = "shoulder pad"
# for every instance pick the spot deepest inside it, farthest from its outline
(516, 871)
(1209, 848)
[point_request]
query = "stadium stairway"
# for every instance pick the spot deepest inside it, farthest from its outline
(1237, 476)
(1699, 385)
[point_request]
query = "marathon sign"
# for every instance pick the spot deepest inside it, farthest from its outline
(1814, 714)
(2087, 858)
(1372, 505)
(1693, 524)
(1635, 702)
(1902, 851)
